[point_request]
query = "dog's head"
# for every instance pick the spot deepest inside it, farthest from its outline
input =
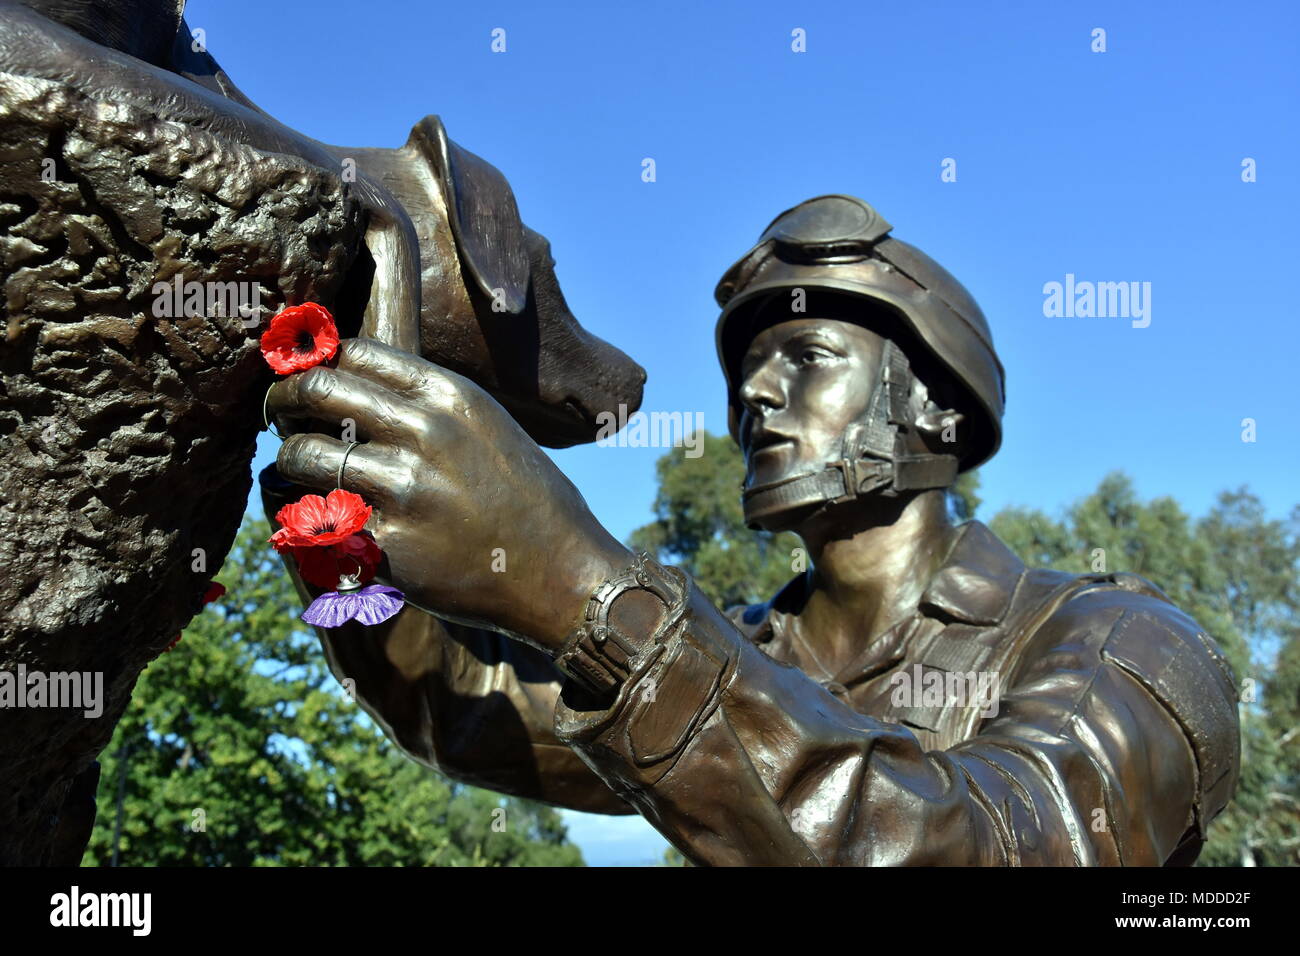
(490, 306)
(447, 267)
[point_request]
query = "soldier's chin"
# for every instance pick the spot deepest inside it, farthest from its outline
(788, 519)
(759, 517)
(775, 520)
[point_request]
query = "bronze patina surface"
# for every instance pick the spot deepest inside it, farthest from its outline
(918, 696)
(130, 162)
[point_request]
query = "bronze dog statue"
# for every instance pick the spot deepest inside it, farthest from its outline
(129, 159)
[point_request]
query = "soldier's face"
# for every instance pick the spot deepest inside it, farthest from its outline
(802, 383)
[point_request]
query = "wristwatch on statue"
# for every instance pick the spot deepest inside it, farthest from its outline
(648, 665)
(627, 619)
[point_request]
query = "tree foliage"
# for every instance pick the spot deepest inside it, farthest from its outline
(699, 524)
(239, 748)
(1234, 570)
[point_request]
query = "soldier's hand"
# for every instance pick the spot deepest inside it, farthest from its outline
(478, 524)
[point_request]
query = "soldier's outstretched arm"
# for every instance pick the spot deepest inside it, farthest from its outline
(466, 701)
(1101, 754)
(1116, 745)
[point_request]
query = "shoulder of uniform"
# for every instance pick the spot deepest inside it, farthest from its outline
(1138, 623)
(1165, 651)
(1152, 636)
(1089, 601)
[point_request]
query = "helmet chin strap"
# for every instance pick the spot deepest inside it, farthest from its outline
(873, 458)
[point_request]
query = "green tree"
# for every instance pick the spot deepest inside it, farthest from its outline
(963, 497)
(699, 524)
(240, 749)
(1234, 570)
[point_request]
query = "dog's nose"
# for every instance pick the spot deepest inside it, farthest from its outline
(611, 382)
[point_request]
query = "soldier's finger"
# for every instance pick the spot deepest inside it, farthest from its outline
(332, 395)
(316, 460)
(400, 371)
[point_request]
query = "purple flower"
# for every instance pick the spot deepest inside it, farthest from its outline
(372, 604)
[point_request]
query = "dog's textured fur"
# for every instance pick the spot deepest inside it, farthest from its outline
(127, 438)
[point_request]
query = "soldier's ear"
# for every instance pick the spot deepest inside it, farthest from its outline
(940, 428)
(484, 216)
(936, 424)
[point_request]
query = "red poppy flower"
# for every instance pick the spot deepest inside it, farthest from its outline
(322, 567)
(299, 337)
(313, 521)
(361, 548)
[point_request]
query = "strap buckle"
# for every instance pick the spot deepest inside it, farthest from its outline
(861, 476)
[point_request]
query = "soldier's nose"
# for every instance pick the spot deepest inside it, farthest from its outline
(761, 392)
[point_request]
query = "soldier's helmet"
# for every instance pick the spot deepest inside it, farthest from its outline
(841, 245)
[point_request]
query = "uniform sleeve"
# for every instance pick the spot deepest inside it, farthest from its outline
(1092, 757)
(470, 703)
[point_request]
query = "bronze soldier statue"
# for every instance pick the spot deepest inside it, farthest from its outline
(835, 724)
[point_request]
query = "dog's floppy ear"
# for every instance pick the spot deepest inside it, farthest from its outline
(484, 216)
(145, 29)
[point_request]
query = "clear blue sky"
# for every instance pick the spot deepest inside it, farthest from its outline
(1115, 166)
